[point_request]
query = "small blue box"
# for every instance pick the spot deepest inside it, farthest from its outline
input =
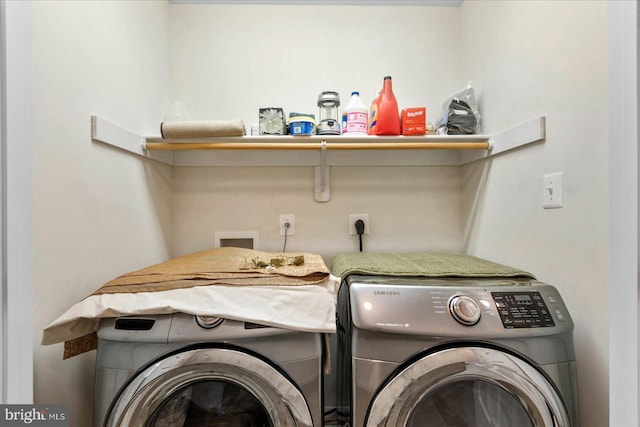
(302, 124)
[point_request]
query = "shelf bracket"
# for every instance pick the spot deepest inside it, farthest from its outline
(108, 133)
(322, 175)
(529, 132)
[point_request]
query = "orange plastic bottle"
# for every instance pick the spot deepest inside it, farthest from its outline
(387, 117)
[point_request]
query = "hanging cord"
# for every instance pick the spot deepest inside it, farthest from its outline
(360, 230)
(286, 231)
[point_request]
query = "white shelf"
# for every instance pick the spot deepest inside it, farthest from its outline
(320, 151)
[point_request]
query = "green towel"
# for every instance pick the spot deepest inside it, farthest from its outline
(421, 265)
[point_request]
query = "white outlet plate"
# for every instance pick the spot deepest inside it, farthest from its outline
(352, 221)
(552, 197)
(291, 219)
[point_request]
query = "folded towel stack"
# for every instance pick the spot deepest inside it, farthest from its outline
(421, 265)
(202, 129)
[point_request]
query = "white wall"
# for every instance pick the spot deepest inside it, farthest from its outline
(410, 209)
(99, 212)
(230, 60)
(538, 59)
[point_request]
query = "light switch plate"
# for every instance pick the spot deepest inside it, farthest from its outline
(552, 197)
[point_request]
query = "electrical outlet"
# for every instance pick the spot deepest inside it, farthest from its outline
(552, 190)
(287, 218)
(352, 223)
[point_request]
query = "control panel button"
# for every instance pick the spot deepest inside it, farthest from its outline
(465, 310)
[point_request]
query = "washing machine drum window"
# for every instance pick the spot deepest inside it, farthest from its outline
(469, 403)
(210, 403)
(469, 386)
(213, 387)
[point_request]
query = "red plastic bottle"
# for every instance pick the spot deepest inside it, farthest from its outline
(387, 117)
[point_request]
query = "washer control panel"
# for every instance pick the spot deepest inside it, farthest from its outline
(522, 309)
(452, 308)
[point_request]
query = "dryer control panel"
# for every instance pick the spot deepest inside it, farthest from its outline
(451, 308)
(522, 309)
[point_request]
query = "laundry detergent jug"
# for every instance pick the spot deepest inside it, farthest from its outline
(383, 116)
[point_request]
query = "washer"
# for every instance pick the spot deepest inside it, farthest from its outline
(442, 352)
(182, 370)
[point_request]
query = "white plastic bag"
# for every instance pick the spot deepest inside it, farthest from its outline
(460, 114)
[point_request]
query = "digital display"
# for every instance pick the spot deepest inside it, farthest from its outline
(522, 310)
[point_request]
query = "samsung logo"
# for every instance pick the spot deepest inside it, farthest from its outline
(390, 293)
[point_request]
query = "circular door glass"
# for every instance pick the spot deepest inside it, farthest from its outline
(468, 386)
(212, 387)
(210, 403)
(475, 403)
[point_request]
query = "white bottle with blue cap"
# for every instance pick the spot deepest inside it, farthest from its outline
(355, 116)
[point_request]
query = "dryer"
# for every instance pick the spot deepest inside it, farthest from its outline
(439, 352)
(184, 370)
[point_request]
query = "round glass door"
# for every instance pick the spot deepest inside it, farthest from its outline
(210, 387)
(210, 403)
(468, 386)
(475, 403)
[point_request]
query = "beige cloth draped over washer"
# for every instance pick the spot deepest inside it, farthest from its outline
(288, 290)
